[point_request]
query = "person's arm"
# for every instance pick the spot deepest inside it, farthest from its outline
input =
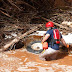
(63, 41)
(45, 37)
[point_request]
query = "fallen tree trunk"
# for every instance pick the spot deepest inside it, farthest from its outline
(61, 26)
(20, 37)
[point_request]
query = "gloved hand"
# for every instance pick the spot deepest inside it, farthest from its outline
(45, 45)
(42, 42)
(67, 46)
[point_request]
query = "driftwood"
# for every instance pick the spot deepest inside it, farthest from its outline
(11, 2)
(61, 26)
(20, 37)
(5, 13)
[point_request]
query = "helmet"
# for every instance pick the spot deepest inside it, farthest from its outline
(49, 24)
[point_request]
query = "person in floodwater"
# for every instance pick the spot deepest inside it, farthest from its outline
(51, 42)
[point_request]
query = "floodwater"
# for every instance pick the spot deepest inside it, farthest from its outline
(21, 60)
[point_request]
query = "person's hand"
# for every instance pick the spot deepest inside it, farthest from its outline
(42, 42)
(67, 46)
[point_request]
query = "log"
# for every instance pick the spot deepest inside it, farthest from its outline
(59, 25)
(5, 13)
(20, 37)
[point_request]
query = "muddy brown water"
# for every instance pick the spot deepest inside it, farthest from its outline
(21, 60)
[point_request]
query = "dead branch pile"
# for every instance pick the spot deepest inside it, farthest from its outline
(20, 37)
(13, 8)
(16, 8)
